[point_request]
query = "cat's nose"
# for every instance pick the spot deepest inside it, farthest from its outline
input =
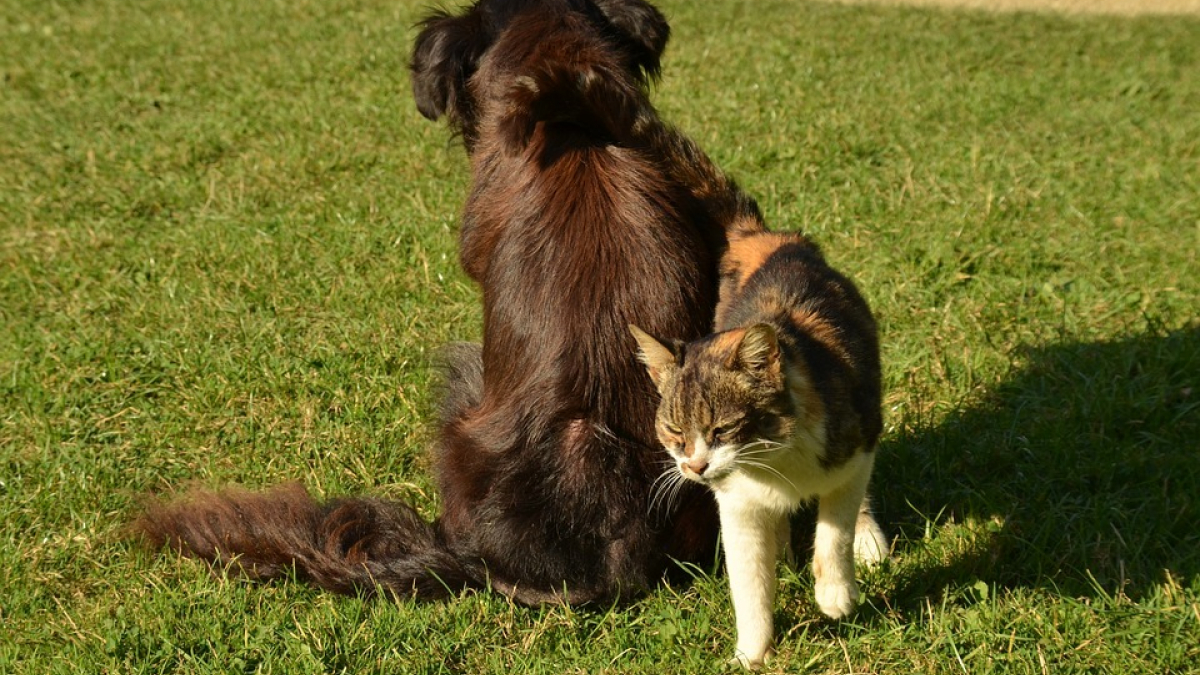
(698, 466)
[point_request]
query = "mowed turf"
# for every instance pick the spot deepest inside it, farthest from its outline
(228, 255)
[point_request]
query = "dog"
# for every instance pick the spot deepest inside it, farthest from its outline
(586, 213)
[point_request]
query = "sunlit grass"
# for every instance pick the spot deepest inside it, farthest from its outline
(227, 253)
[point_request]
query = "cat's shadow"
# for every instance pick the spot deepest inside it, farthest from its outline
(1080, 473)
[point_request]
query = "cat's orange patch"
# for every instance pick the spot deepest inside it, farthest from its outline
(747, 254)
(745, 226)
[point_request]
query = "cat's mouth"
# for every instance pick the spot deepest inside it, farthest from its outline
(701, 471)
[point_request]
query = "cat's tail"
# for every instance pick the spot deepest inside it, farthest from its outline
(353, 545)
(569, 92)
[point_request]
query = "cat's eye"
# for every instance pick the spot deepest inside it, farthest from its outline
(724, 430)
(672, 429)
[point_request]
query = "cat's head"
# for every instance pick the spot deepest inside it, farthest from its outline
(725, 400)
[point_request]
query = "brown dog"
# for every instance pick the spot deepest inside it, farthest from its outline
(586, 213)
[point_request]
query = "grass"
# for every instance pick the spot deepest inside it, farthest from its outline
(227, 251)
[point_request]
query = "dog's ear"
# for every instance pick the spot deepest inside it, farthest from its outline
(644, 27)
(446, 53)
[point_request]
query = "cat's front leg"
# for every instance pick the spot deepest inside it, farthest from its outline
(833, 548)
(750, 544)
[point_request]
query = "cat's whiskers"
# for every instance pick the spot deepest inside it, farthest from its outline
(666, 489)
(766, 467)
(763, 443)
(759, 448)
(659, 484)
(748, 451)
(669, 499)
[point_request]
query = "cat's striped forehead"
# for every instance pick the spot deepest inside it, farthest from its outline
(708, 384)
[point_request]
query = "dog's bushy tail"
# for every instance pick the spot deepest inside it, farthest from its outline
(354, 546)
(589, 97)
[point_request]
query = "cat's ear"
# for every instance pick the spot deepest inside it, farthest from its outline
(659, 359)
(759, 350)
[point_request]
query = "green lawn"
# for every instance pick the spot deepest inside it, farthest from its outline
(227, 255)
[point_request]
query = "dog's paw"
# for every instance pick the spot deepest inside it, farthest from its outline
(837, 600)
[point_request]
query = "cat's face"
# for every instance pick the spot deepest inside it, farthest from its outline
(724, 403)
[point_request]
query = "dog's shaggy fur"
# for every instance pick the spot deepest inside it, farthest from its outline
(586, 214)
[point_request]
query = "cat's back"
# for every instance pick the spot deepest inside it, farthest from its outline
(782, 274)
(782, 278)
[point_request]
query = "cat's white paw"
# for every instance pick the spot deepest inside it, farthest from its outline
(837, 600)
(751, 662)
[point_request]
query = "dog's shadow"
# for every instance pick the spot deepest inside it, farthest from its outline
(1079, 474)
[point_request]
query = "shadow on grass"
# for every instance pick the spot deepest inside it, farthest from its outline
(1080, 473)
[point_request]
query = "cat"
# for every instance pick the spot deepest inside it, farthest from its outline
(586, 212)
(780, 405)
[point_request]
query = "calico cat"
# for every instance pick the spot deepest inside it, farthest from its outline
(779, 406)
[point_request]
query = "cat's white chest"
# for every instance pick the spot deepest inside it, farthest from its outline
(780, 481)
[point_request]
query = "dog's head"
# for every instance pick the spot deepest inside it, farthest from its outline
(450, 48)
